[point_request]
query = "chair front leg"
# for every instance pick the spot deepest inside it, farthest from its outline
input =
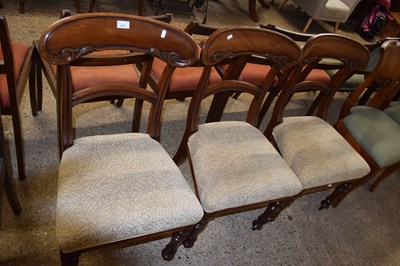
(337, 194)
(200, 226)
(387, 172)
(11, 193)
(19, 144)
(271, 213)
(168, 253)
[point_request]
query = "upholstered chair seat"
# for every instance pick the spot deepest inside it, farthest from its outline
(132, 188)
(376, 132)
(20, 51)
(183, 79)
(335, 10)
(235, 165)
(326, 10)
(320, 156)
(86, 77)
(393, 111)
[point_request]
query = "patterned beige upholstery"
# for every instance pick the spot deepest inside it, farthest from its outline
(317, 153)
(117, 187)
(234, 165)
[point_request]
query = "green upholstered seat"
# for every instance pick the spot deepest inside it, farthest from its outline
(376, 132)
(394, 111)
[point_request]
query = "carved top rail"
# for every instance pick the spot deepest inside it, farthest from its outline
(73, 37)
(233, 41)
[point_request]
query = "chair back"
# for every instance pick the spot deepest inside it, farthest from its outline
(235, 47)
(7, 64)
(69, 42)
(350, 57)
(386, 75)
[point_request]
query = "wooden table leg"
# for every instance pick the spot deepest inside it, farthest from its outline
(253, 11)
(264, 4)
(91, 5)
(140, 7)
(252, 8)
(78, 6)
(21, 6)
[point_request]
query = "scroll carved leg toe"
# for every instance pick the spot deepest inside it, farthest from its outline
(200, 226)
(271, 213)
(168, 253)
(336, 195)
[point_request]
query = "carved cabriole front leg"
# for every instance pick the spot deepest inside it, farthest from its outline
(336, 194)
(200, 226)
(271, 213)
(168, 253)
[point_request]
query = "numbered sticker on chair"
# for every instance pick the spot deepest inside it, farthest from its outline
(163, 33)
(123, 24)
(230, 36)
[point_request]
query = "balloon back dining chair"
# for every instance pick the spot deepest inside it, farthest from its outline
(319, 156)
(121, 189)
(374, 133)
(234, 167)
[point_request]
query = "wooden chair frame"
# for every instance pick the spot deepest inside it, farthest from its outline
(245, 49)
(353, 56)
(144, 46)
(16, 87)
(388, 75)
(43, 66)
(6, 183)
(303, 37)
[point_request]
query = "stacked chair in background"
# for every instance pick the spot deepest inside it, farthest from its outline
(17, 66)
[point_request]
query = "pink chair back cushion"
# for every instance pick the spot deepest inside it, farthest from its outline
(184, 79)
(84, 77)
(255, 74)
(19, 52)
(319, 75)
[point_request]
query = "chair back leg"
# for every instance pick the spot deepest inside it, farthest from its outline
(19, 145)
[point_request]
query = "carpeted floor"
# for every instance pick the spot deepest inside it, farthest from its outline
(363, 230)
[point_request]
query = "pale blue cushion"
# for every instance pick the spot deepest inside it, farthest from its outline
(394, 111)
(354, 81)
(376, 132)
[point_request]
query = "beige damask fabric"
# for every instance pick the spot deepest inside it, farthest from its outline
(235, 165)
(117, 187)
(317, 153)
